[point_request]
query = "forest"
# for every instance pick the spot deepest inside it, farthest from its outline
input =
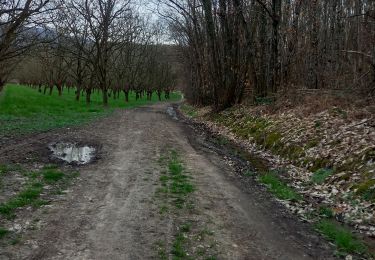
(235, 50)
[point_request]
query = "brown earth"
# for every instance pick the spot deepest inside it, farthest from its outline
(111, 211)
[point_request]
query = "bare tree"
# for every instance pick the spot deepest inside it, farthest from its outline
(106, 19)
(19, 21)
(256, 48)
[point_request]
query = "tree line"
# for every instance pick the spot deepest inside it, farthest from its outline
(264, 48)
(87, 45)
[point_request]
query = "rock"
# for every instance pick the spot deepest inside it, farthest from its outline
(16, 228)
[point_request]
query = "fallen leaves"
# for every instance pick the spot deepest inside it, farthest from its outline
(326, 141)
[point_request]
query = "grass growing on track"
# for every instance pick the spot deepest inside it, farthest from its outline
(34, 187)
(175, 182)
(176, 201)
(25, 110)
(28, 196)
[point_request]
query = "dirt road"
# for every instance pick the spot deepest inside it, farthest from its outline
(112, 211)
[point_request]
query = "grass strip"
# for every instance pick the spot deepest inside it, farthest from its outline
(343, 238)
(278, 187)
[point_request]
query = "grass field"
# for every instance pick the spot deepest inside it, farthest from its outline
(25, 110)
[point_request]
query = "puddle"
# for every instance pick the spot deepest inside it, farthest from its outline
(172, 113)
(72, 152)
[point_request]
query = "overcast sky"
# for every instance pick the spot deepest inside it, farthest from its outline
(149, 8)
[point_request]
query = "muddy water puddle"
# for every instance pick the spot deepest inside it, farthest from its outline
(172, 112)
(72, 152)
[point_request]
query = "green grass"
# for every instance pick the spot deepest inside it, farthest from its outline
(189, 110)
(326, 212)
(25, 110)
(366, 190)
(279, 188)
(3, 232)
(321, 175)
(29, 196)
(6, 168)
(162, 252)
(249, 173)
(178, 250)
(175, 192)
(52, 175)
(341, 237)
(174, 182)
(178, 247)
(221, 140)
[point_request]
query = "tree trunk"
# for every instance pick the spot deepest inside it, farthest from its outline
(313, 66)
(167, 94)
(126, 95)
(210, 27)
(88, 96)
(275, 66)
(159, 95)
(105, 97)
(59, 89)
(78, 93)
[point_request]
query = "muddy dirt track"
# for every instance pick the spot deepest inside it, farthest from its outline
(111, 211)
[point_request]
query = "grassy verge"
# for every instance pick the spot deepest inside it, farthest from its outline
(250, 127)
(343, 238)
(189, 110)
(278, 187)
(25, 110)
